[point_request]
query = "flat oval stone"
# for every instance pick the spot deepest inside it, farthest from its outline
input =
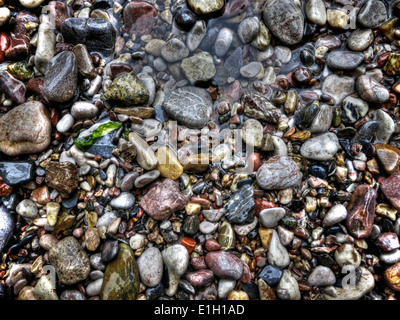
(150, 266)
(121, 278)
(344, 60)
(25, 129)
(125, 200)
(84, 110)
(338, 87)
(65, 123)
(360, 39)
(146, 178)
(27, 209)
(224, 265)
(320, 148)
(279, 172)
(70, 261)
(174, 50)
(190, 106)
(61, 77)
(285, 20)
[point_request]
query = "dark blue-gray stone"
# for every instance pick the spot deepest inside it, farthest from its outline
(155, 292)
(103, 146)
(160, 114)
(16, 172)
(71, 202)
(344, 60)
(239, 209)
(271, 275)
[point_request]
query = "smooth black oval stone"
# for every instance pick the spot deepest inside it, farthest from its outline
(318, 171)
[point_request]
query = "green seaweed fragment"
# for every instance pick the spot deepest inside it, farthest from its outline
(86, 142)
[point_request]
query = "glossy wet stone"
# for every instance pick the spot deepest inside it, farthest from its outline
(121, 278)
(372, 14)
(370, 90)
(361, 211)
(96, 34)
(16, 172)
(139, 17)
(240, 206)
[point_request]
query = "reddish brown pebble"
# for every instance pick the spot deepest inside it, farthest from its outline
(388, 241)
(212, 245)
(361, 211)
(200, 278)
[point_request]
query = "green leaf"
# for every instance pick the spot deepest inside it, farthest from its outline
(86, 142)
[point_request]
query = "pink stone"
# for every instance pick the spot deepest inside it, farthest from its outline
(388, 241)
(224, 265)
(212, 245)
(140, 17)
(198, 263)
(390, 187)
(200, 278)
(162, 200)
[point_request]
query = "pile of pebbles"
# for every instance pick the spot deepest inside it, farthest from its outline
(199, 150)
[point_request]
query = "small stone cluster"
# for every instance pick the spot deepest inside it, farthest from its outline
(120, 167)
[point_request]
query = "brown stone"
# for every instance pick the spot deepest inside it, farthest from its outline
(388, 156)
(92, 239)
(162, 200)
(198, 263)
(70, 261)
(62, 176)
(140, 17)
(361, 211)
(25, 129)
